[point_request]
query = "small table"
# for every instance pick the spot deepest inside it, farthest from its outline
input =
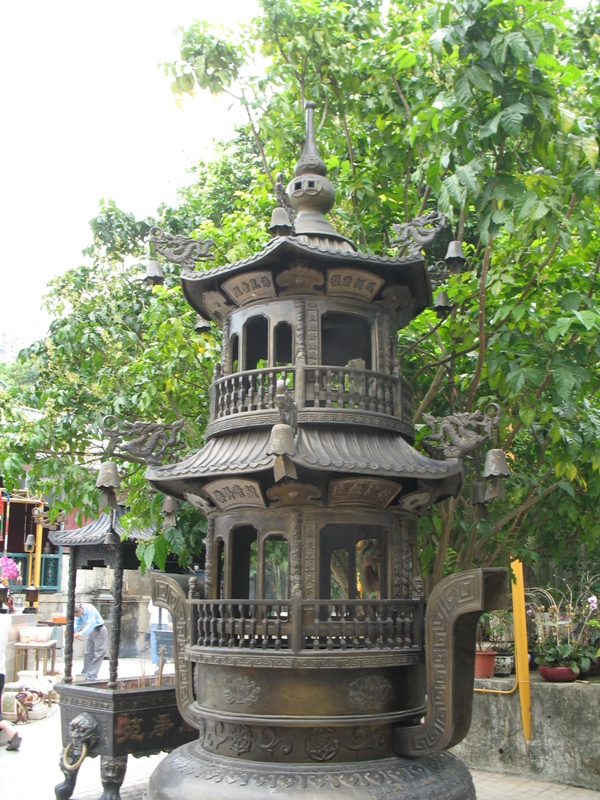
(39, 648)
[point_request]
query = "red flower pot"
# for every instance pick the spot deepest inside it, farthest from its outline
(484, 663)
(557, 674)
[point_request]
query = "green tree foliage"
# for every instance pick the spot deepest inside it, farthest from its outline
(488, 111)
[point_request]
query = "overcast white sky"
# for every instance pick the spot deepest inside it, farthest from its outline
(86, 114)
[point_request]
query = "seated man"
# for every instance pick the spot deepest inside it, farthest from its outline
(88, 622)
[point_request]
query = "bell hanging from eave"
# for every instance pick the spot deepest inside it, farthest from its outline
(442, 305)
(496, 467)
(455, 258)
(108, 481)
(170, 507)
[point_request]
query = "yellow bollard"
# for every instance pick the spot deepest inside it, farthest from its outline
(521, 649)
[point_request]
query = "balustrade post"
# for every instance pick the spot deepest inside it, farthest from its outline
(328, 389)
(296, 617)
(299, 388)
(317, 385)
(397, 398)
(351, 390)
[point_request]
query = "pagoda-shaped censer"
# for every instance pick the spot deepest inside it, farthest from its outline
(309, 665)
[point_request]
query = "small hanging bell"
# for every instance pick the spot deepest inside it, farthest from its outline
(495, 464)
(442, 305)
(455, 258)
(201, 324)
(154, 274)
(170, 507)
(281, 440)
(108, 476)
(280, 222)
(478, 493)
(495, 490)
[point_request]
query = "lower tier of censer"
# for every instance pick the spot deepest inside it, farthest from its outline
(191, 773)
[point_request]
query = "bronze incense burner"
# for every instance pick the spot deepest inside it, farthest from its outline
(310, 664)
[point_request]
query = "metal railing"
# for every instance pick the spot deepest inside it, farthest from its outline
(254, 390)
(310, 387)
(342, 387)
(308, 625)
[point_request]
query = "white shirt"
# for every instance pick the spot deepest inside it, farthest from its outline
(5, 623)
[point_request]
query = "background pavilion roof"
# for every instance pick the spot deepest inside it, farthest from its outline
(94, 533)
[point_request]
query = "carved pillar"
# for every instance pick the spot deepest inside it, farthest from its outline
(300, 359)
(225, 356)
(300, 333)
(310, 557)
(312, 334)
(383, 351)
(113, 665)
(295, 557)
(70, 616)
(209, 558)
(413, 547)
(402, 558)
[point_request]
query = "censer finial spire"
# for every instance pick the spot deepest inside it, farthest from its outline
(310, 160)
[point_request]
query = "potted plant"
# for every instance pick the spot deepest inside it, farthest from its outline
(501, 637)
(485, 655)
(566, 633)
(564, 662)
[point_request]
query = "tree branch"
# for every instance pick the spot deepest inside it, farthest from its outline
(470, 398)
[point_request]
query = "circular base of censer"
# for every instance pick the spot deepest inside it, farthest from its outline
(190, 773)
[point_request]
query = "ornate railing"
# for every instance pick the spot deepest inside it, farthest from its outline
(310, 387)
(254, 390)
(341, 387)
(307, 625)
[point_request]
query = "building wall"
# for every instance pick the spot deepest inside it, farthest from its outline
(135, 618)
(565, 736)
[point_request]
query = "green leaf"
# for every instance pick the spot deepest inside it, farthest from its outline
(174, 539)
(478, 78)
(587, 183)
(516, 42)
(405, 59)
(566, 118)
(526, 415)
(511, 119)
(499, 49)
(161, 550)
(525, 204)
(571, 301)
(535, 39)
(564, 380)
(454, 189)
(462, 89)
(148, 555)
(491, 126)
(183, 84)
(590, 148)
(588, 318)
(468, 177)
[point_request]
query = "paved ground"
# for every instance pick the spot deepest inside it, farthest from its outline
(32, 772)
